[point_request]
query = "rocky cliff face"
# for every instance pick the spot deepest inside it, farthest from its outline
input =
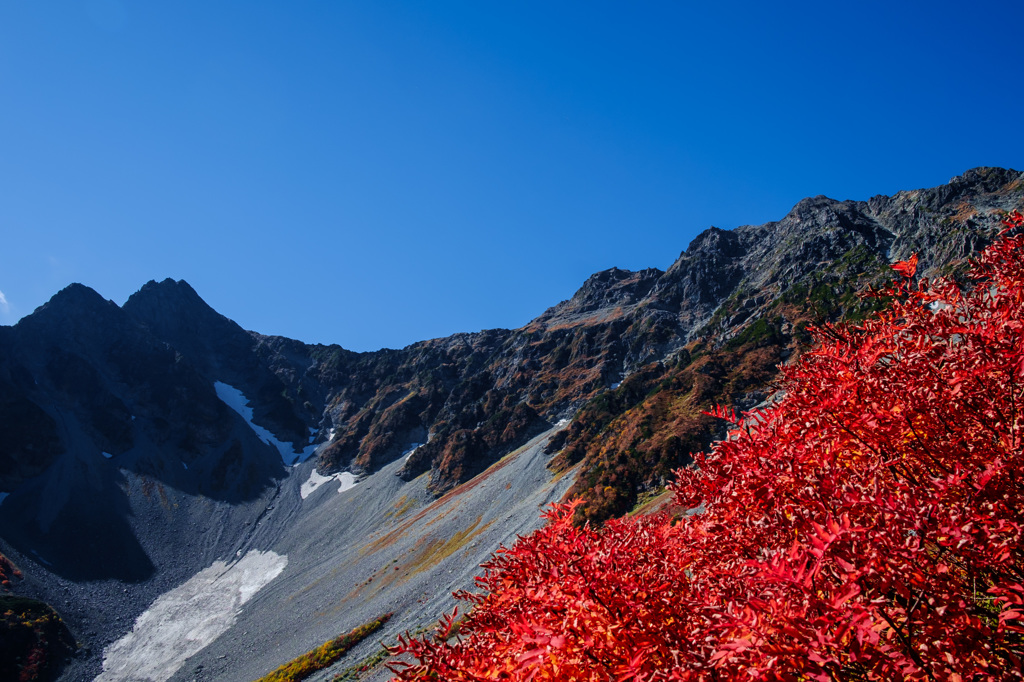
(466, 399)
(735, 304)
(88, 394)
(111, 417)
(740, 299)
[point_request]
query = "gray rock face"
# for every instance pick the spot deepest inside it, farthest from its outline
(156, 356)
(607, 295)
(450, 389)
(125, 468)
(219, 348)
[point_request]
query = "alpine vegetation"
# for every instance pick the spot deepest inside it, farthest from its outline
(867, 526)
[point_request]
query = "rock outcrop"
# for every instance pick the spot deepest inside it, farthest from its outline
(466, 399)
(118, 444)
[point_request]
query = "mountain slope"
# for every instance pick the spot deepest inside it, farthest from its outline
(125, 474)
(747, 296)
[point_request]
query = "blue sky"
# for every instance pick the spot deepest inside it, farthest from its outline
(375, 173)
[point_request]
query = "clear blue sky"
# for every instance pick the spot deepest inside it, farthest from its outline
(375, 173)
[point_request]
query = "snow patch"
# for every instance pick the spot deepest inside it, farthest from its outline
(347, 482)
(314, 482)
(561, 422)
(107, 455)
(236, 400)
(413, 447)
(616, 385)
(180, 623)
(3, 496)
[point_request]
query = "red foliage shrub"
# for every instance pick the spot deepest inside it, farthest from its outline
(866, 527)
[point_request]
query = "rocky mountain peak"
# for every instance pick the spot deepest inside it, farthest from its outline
(76, 300)
(171, 301)
(169, 289)
(605, 295)
(984, 178)
(78, 293)
(707, 271)
(121, 411)
(76, 315)
(220, 349)
(175, 313)
(714, 241)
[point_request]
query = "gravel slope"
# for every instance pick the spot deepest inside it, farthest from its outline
(331, 562)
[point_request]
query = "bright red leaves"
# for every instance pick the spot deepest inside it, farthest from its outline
(908, 267)
(866, 527)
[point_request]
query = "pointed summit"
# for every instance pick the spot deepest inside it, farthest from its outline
(74, 311)
(177, 314)
(170, 297)
(77, 296)
(605, 295)
(220, 348)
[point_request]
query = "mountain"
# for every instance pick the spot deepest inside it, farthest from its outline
(155, 451)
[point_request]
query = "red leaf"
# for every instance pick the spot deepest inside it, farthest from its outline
(908, 267)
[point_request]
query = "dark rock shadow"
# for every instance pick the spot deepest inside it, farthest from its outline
(89, 538)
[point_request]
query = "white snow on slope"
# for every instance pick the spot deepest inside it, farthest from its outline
(347, 482)
(3, 496)
(183, 621)
(236, 400)
(314, 482)
(411, 449)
